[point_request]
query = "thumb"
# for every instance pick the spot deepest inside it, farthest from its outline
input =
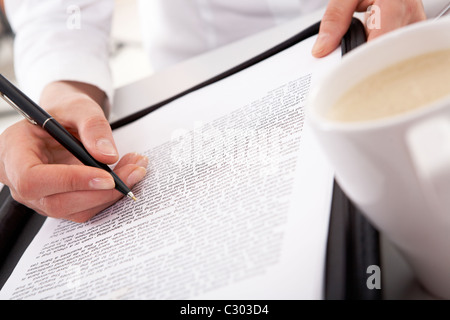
(76, 106)
(335, 23)
(94, 131)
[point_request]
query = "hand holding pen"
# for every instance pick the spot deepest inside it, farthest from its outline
(46, 177)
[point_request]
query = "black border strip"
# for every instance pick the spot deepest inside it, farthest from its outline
(353, 243)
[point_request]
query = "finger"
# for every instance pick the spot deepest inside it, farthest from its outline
(375, 28)
(132, 158)
(93, 129)
(47, 179)
(24, 167)
(34, 180)
(87, 215)
(389, 16)
(334, 25)
(82, 205)
(130, 169)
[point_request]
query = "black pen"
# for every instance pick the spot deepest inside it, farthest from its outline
(38, 116)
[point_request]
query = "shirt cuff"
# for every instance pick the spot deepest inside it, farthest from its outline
(61, 66)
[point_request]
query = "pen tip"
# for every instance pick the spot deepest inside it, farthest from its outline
(131, 195)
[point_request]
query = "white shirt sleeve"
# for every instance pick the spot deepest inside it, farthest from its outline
(61, 40)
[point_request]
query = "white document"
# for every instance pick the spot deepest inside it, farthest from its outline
(235, 204)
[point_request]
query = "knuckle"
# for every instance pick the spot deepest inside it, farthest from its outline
(81, 217)
(94, 121)
(16, 196)
(25, 189)
(52, 207)
(69, 181)
(81, 100)
(334, 16)
(95, 125)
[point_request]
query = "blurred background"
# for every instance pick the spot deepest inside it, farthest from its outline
(7, 114)
(129, 62)
(128, 59)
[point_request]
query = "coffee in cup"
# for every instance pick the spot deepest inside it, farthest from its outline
(404, 86)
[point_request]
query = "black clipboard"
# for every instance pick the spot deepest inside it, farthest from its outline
(352, 241)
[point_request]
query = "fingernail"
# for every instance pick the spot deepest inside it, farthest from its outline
(143, 162)
(137, 175)
(106, 147)
(321, 41)
(101, 184)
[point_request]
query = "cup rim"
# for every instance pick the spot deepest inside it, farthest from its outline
(320, 120)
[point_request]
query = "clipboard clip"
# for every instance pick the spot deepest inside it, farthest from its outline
(20, 111)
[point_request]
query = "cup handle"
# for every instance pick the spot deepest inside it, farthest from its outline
(429, 146)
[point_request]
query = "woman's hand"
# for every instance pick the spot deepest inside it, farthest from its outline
(44, 176)
(338, 15)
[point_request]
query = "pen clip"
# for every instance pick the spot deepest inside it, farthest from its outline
(444, 12)
(12, 104)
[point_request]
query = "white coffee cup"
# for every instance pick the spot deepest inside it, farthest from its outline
(397, 169)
